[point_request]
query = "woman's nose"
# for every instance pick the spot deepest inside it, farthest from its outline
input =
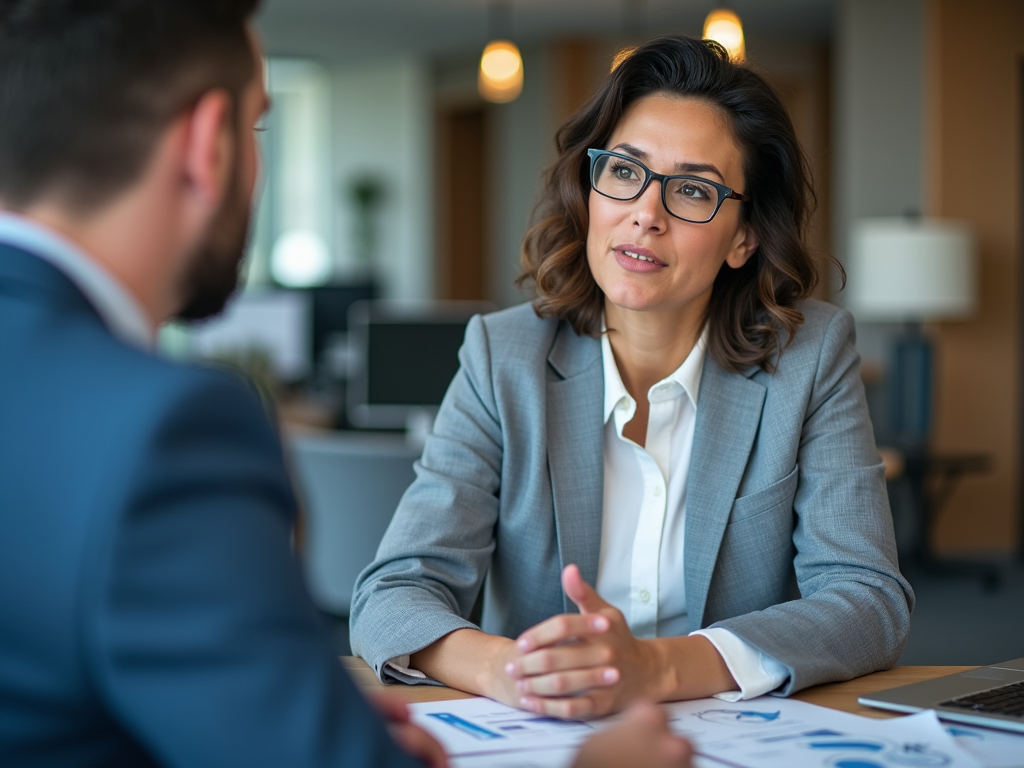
(648, 211)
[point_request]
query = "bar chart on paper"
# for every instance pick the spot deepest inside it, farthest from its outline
(761, 733)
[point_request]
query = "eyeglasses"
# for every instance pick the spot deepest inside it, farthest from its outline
(689, 198)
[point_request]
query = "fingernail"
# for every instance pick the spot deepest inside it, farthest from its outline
(525, 703)
(523, 644)
(521, 686)
(510, 669)
(599, 623)
(610, 675)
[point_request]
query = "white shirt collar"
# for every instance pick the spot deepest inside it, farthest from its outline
(684, 379)
(118, 308)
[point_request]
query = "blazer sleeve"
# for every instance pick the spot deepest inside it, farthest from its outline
(196, 624)
(853, 616)
(432, 561)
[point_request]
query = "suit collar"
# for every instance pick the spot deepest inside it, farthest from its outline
(570, 354)
(21, 270)
(576, 449)
(120, 310)
(727, 423)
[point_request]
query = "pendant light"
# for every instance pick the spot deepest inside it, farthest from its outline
(500, 77)
(724, 27)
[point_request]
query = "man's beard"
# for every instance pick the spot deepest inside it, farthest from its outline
(213, 275)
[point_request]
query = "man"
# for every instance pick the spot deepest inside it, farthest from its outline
(151, 612)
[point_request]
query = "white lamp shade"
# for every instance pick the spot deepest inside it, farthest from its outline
(908, 269)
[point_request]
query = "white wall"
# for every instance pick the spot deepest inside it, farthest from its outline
(382, 125)
(382, 121)
(878, 126)
(521, 148)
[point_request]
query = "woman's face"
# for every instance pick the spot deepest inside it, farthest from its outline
(680, 260)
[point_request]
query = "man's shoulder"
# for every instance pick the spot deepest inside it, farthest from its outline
(75, 378)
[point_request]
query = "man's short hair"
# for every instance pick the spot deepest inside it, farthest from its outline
(87, 87)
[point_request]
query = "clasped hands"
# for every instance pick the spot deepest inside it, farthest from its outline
(586, 665)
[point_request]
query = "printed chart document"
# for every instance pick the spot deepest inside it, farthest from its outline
(762, 733)
(995, 749)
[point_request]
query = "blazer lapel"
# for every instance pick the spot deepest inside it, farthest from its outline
(576, 450)
(728, 415)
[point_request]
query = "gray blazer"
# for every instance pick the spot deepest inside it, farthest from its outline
(784, 480)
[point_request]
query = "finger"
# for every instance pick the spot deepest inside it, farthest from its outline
(420, 744)
(648, 714)
(560, 658)
(558, 629)
(654, 719)
(591, 705)
(563, 684)
(581, 593)
(392, 706)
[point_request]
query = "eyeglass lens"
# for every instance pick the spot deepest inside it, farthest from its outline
(622, 179)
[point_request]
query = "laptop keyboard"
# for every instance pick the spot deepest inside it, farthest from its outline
(1004, 700)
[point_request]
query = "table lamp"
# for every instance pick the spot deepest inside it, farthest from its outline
(911, 270)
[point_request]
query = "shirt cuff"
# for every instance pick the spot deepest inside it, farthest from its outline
(756, 673)
(401, 664)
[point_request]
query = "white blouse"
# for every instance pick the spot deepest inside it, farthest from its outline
(640, 570)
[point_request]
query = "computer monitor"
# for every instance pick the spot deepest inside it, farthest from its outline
(274, 323)
(407, 354)
(330, 305)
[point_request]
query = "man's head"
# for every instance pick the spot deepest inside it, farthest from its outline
(104, 101)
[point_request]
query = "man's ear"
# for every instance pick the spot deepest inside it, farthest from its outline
(743, 246)
(209, 147)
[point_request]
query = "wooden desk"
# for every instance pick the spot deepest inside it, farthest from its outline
(841, 696)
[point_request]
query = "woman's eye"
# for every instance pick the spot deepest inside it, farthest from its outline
(693, 191)
(624, 172)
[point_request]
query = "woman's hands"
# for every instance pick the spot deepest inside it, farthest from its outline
(590, 665)
(576, 666)
(584, 665)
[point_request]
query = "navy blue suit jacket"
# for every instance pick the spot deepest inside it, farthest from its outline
(151, 610)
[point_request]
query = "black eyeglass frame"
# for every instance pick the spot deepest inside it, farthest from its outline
(724, 192)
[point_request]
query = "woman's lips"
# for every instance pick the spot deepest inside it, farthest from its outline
(637, 259)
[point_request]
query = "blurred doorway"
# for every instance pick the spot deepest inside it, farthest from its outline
(462, 203)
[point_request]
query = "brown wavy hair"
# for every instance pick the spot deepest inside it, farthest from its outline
(750, 307)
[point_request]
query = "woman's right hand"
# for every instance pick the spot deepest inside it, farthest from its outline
(472, 661)
(644, 738)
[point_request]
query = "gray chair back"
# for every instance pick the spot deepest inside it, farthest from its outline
(349, 484)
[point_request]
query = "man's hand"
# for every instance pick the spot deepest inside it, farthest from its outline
(411, 738)
(643, 739)
(584, 665)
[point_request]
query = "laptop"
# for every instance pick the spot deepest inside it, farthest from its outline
(991, 696)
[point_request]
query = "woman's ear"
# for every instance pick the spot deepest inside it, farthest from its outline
(743, 246)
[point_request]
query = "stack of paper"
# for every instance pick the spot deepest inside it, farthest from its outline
(762, 733)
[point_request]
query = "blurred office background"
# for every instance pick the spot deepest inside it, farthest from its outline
(389, 178)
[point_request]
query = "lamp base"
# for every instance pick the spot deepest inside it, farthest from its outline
(910, 389)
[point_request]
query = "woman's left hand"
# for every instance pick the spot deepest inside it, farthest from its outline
(587, 665)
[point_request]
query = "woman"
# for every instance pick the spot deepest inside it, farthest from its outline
(672, 421)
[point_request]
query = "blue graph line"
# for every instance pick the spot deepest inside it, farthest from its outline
(465, 726)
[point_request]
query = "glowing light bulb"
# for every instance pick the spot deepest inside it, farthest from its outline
(501, 72)
(724, 27)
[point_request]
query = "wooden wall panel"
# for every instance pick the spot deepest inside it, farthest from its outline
(973, 173)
